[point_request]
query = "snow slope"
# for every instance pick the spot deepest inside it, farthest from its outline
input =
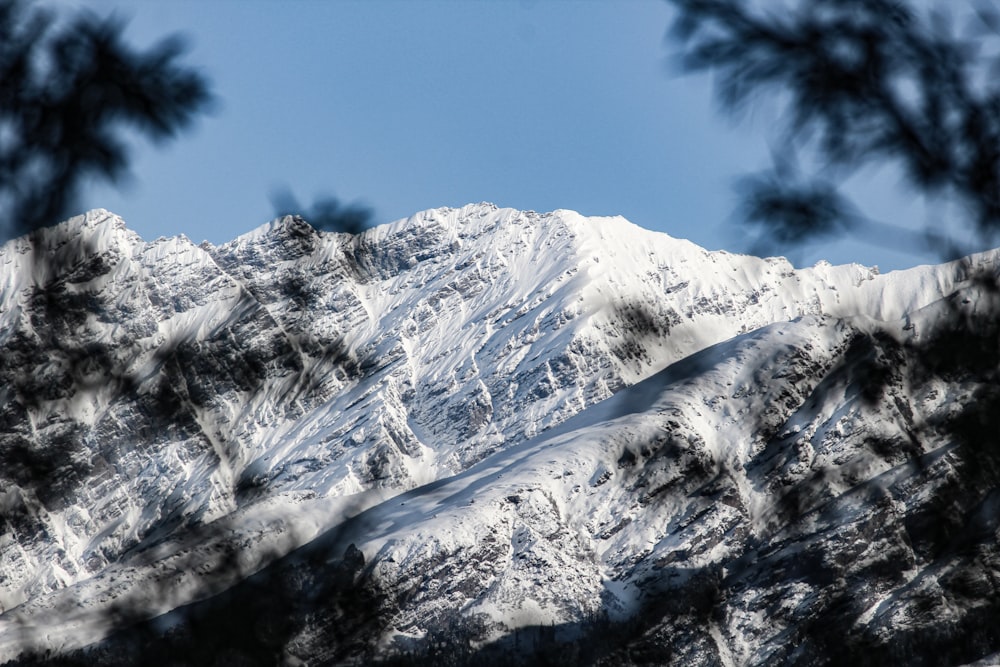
(191, 397)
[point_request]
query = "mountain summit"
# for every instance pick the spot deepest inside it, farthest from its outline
(515, 435)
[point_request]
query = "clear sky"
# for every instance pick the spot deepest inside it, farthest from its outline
(409, 105)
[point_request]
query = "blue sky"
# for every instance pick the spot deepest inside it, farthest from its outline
(409, 105)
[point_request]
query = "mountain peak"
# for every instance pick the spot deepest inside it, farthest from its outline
(76, 250)
(98, 226)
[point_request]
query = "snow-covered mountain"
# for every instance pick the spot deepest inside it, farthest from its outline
(503, 431)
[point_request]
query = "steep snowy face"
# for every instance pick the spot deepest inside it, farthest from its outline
(485, 326)
(162, 399)
(797, 493)
(119, 386)
(817, 490)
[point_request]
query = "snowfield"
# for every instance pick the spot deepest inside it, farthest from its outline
(516, 420)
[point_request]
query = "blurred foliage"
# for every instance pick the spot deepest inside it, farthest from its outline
(68, 90)
(915, 86)
(326, 213)
(861, 83)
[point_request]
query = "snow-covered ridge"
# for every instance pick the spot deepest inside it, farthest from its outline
(177, 385)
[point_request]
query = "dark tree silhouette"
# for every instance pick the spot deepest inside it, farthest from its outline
(326, 213)
(865, 81)
(68, 91)
(870, 83)
(71, 94)
(862, 83)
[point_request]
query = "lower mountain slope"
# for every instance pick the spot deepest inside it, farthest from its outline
(823, 491)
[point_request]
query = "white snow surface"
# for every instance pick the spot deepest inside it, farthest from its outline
(468, 379)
